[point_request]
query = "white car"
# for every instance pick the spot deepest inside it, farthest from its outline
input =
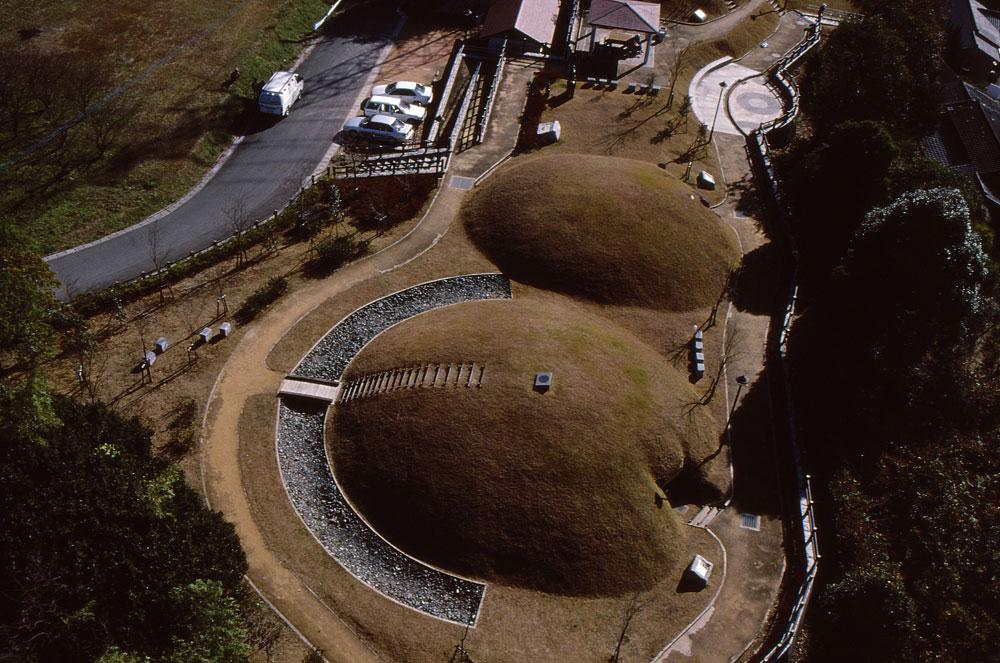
(407, 91)
(380, 127)
(394, 106)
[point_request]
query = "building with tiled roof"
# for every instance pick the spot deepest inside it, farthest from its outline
(967, 138)
(976, 28)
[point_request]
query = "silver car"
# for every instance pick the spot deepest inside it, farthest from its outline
(384, 128)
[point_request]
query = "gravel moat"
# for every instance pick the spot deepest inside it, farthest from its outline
(335, 351)
(308, 478)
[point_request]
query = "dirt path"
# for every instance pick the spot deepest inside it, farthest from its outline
(244, 375)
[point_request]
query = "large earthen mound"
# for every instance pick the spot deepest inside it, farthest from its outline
(556, 491)
(612, 230)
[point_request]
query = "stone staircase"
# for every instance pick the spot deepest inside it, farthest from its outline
(463, 374)
(704, 516)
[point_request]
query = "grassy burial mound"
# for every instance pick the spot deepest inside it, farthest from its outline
(554, 491)
(612, 230)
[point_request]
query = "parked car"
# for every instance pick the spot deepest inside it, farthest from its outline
(407, 91)
(394, 106)
(279, 93)
(380, 128)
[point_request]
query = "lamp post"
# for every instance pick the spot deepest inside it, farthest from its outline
(718, 105)
(742, 382)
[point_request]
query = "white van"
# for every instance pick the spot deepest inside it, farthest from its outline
(279, 93)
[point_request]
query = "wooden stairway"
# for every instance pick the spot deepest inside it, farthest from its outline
(463, 374)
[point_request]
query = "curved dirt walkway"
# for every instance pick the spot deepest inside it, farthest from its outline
(245, 374)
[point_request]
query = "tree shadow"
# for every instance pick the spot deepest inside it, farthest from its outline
(763, 275)
(753, 435)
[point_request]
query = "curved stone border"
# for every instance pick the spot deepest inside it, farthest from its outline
(308, 477)
(327, 359)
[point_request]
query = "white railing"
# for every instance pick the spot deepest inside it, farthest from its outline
(760, 152)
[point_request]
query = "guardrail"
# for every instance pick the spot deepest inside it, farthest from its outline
(470, 92)
(484, 117)
(778, 73)
(416, 161)
(760, 153)
(456, 61)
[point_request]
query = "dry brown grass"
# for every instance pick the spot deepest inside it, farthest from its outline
(610, 230)
(553, 491)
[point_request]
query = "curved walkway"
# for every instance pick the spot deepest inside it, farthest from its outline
(308, 477)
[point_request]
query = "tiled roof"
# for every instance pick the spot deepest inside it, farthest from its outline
(533, 18)
(977, 25)
(625, 15)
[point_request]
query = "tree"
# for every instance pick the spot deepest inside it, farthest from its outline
(30, 318)
(854, 157)
(884, 69)
(210, 623)
(239, 221)
(96, 535)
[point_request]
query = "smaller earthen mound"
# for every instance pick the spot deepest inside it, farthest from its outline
(612, 230)
(556, 491)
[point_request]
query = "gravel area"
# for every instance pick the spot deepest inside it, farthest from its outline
(317, 499)
(306, 473)
(328, 359)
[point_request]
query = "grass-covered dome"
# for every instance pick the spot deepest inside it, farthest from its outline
(554, 491)
(612, 230)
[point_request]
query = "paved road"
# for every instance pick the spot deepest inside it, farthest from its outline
(264, 171)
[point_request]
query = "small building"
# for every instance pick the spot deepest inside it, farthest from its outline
(629, 25)
(528, 25)
(976, 31)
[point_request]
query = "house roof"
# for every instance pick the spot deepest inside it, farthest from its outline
(969, 131)
(535, 19)
(978, 26)
(631, 15)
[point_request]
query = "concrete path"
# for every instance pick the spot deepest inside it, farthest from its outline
(748, 101)
(750, 104)
(263, 172)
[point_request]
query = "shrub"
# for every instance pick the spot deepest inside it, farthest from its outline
(333, 252)
(261, 298)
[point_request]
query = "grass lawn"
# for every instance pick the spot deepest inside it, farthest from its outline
(172, 123)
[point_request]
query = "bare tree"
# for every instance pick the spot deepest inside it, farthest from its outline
(239, 221)
(157, 256)
(732, 350)
(635, 605)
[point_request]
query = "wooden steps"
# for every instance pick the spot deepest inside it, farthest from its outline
(466, 375)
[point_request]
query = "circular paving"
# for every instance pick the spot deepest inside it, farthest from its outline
(756, 102)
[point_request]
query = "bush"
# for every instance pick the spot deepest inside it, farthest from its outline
(333, 252)
(261, 298)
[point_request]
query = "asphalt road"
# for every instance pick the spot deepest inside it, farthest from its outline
(263, 172)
